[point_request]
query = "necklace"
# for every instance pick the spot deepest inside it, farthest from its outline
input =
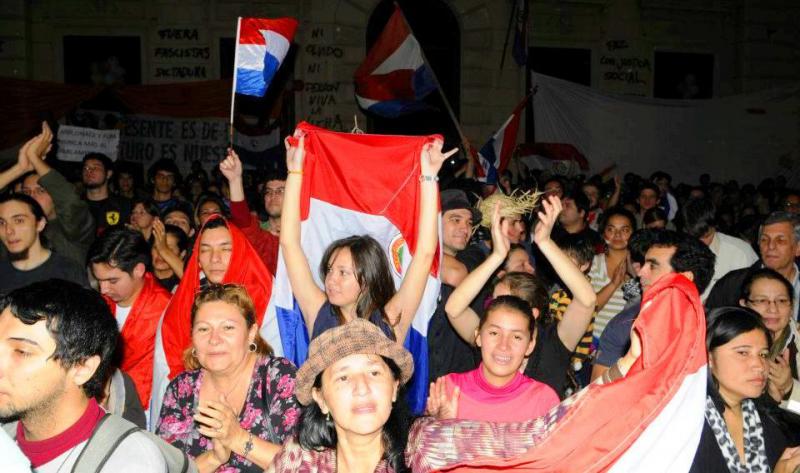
(236, 383)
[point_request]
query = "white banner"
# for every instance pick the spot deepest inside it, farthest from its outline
(745, 137)
(75, 142)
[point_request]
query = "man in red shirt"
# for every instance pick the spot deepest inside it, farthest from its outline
(265, 241)
(120, 261)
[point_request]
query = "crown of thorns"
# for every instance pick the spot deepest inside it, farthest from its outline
(514, 205)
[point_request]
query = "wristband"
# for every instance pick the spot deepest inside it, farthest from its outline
(248, 446)
(424, 178)
(295, 172)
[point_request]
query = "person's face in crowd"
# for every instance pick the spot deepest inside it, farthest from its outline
(656, 265)
(216, 248)
(341, 282)
(663, 184)
(273, 197)
(570, 215)
(502, 289)
(617, 232)
(206, 210)
(94, 174)
(769, 298)
(158, 262)
(648, 198)
(554, 188)
(657, 224)
(19, 229)
(195, 189)
(740, 366)
(518, 261)
(697, 194)
(180, 220)
(505, 340)
(118, 285)
(792, 203)
(778, 246)
(164, 182)
(456, 229)
(516, 230)
(140, 218)
(220, 336)
(125, 182)
(32, 382)
(358, 392)
(31, 188)
(593, 194)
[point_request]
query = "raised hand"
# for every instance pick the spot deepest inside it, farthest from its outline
(295, 151)
(231, 166)
(780, 376)
(440, 405)
(500, 242)
(159, 236)
(548, 216)
(432, 158)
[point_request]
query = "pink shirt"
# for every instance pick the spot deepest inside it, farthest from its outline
(521, 399)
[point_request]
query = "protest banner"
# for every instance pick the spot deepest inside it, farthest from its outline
(76, 142)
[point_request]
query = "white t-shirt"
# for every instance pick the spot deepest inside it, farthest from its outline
(12, 460)
(122, 315)
(136, 454)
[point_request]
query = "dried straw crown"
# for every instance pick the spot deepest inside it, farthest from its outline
(514, 205)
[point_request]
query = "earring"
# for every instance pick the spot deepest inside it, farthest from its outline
(252, 347)
(328, 418)
(194, 353)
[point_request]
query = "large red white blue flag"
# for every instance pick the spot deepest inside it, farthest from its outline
(261, 46)
(394, 78)
(650, 420)
(495, 155)
(358, 184)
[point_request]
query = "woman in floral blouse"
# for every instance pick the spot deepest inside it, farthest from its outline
(234, 406)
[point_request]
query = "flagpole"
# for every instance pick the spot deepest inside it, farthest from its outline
(233, 88)
(508, 33)
(464, 140)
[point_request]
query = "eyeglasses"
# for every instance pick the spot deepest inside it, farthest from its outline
(763, 302)
(92, 168)
(274, 192)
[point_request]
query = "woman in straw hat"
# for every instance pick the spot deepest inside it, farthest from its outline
(355, 418)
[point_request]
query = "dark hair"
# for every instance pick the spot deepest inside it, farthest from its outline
(206, 198)
(148, 205)
(640, 241)
(317, 433)
(182, 207)
(766, 273)
(120, 248)
(723, 324)
(691, 255)
(371, 271)
(108, 165)
(212, 223)
(513, 303)
(177, 232)
(580, 199)
(614, 211)
(530, 289)
(577, 245)
(699, 217)
(167, 165)
(648, 185)
(276, 175)
(78, 319)
(660, 175)
(34, 206)
(654, 215)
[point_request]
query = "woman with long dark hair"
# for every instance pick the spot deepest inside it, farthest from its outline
(355, 417)
(355, 270)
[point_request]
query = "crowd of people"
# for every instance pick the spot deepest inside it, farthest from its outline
(133, 334)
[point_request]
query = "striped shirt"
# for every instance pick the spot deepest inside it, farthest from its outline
(599, 276)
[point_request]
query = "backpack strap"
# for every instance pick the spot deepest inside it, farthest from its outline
(106, 437)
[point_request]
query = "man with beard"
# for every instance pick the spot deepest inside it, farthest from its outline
(22, 222)
(108, 210)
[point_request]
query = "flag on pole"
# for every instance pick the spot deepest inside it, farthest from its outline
(650, 420)
(495, 155)
(348, 191)
(394, 78)
(261, 46)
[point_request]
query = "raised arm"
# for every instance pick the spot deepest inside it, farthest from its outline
(309, 296)
(37, 144)
(463, 319)
(401, 308)
(231, 168)
(579, 312)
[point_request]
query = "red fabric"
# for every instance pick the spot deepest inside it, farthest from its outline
(265, 243)
(245, 268)
(594, 433)
(139, 335)
(250, 29)
(329, 162)
(45, 451)
(393, 35)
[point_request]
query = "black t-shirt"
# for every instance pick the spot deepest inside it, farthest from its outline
(170, 282)
(447, 352)
(110, 212)
(550, 361)
(56, 266)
